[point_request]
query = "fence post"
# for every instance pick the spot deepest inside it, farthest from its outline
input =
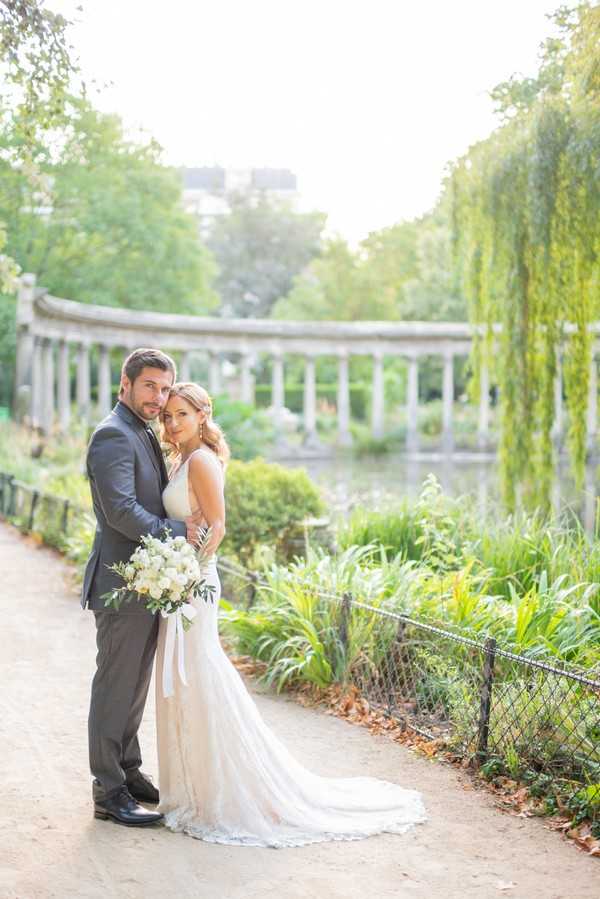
(65, 516)
(12, 497)
(251, 589)
(345, 619)
(483, 729)
(34, 501)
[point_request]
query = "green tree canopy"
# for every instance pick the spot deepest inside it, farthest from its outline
(526, 213)
(435, 292)
(36, 67)
(327, 289)
(259, 248)
(404, 272)
(103, 222)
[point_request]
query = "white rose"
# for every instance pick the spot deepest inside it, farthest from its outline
(155, 591)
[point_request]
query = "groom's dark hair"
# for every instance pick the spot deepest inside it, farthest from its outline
(147, 358)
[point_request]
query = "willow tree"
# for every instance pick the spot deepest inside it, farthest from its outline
(526, 220)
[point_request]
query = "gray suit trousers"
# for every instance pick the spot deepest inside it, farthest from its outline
(126, 647)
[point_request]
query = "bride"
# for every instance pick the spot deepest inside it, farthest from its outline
(224, 776)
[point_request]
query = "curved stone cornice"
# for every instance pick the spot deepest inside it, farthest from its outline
(56, 317)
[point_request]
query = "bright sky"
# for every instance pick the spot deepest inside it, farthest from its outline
(365, 100)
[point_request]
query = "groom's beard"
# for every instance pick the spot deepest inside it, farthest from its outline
(148, 410)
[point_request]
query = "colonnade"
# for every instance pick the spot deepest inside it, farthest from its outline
(52, 402)
(55, 336)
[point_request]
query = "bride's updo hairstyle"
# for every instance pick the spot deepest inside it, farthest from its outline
(210, 432)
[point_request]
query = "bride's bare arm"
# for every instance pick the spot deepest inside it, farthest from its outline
(206, 480)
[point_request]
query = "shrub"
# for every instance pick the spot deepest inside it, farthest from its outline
(266, 504)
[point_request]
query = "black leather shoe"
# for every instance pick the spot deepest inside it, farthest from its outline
(122, 808)
(141, 788)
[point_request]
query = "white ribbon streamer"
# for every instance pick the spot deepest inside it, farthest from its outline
(175, 634)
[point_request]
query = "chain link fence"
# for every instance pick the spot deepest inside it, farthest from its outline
(480, 700)
(483, 700)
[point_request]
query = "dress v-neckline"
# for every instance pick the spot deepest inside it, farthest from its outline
(181, 467)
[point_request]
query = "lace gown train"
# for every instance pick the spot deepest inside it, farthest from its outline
(225, 777)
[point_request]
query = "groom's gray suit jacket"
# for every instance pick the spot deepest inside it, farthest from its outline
(126, 480)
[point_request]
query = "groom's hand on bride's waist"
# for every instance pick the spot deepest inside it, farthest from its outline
(194, 530)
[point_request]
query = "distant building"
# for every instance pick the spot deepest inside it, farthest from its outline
(206, 189)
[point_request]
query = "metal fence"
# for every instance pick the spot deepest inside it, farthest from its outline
(485, 700)
(481, 700)
(34, 510)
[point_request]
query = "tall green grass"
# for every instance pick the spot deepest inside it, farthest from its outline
(511, 553)
(53, 465)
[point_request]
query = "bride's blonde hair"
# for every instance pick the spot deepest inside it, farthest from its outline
(211, 433)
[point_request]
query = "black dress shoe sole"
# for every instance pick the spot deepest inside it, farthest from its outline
(106, 816)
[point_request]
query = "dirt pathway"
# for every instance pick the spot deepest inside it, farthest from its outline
(51, 846)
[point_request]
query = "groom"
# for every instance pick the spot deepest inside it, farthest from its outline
(127, 476)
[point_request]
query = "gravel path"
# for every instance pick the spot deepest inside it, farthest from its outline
(51, 846)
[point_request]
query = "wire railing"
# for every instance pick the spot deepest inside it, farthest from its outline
(35, 510)
(478, 698)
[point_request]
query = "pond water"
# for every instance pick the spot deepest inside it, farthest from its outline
(379, 482)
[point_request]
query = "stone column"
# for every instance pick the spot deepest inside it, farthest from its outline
(557, 427)
(36, 383)
(447, 403)
(246, 379)
(377, 410)
(592, 409)
(185, 367)
(310, 403)
(47, 416)
(64, 387)
(483, 427)
(412, 406)
(344, 437)
(104, 384)
(278, 397)
(24, 351)
(214, 373)
(83, 382)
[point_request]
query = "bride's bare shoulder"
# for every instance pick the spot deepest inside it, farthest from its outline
(204, 461)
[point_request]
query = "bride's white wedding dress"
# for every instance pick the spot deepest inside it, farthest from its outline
(225, 777)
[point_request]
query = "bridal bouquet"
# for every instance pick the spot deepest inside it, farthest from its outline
(166, 575)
